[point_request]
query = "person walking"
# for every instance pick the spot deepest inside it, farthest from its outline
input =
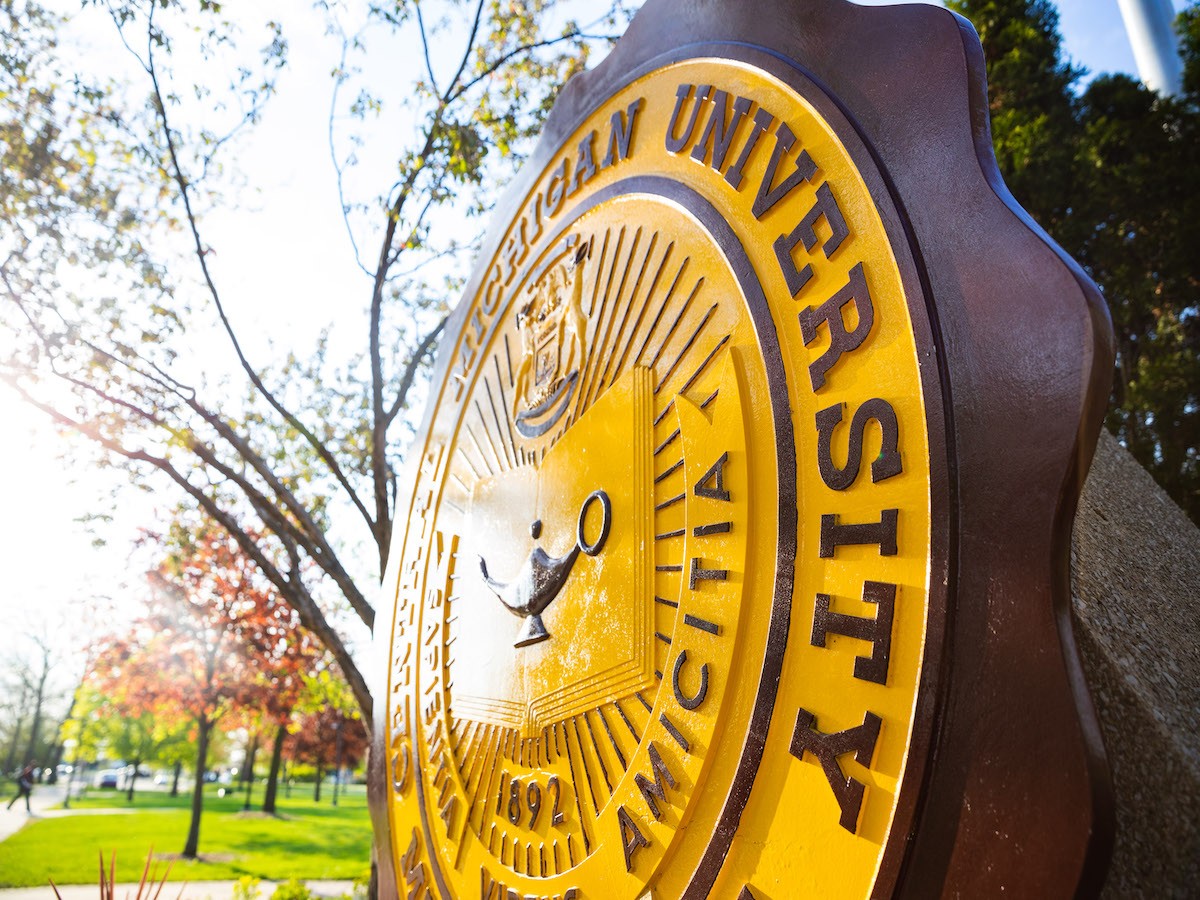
(24, 788)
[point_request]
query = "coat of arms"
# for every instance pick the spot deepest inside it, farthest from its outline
(551, 326)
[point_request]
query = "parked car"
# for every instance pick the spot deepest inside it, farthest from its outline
(106, 778)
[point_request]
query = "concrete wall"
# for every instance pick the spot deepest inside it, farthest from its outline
(1136, 589)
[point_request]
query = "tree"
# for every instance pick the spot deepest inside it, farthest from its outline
(272, 451)
(1140, 157)
(285, 656)
(1113, 174)
(193, 653)
(39, 673)
(121, 722)
(326, 716)
(294, 660)
(31, 696)
(1030, 100)
(15, 715)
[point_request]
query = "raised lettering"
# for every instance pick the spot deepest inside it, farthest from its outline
(826, 208)
(719, 130)
(465, 360)
(515, 251)
(886, 464)
(883, 533)
(676, 143)
(698, 573)
(414, 870)
(632, 838)
(556, 190)
(537, 222)
(620, 132)
(877, 630)
(701, 692)
(831, 314)
(491, 297)
(859, 740)
(412, 856)
(763, 121)
(585, 164)
(654, 792)
(684, 744)
(401, 766)
(712, 482)
(446, 812)
(805, 169)
(434, 706)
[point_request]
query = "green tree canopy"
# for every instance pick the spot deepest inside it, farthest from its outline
(1113, 174)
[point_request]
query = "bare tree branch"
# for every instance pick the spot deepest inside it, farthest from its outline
(414, 363)
(292, 588)
(338, 169)
(425, 48)
(466, 57)
(505, 58)
(181, 182)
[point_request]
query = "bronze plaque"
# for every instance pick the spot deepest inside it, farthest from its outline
(734, 558)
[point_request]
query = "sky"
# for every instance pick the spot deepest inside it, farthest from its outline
(284, 252)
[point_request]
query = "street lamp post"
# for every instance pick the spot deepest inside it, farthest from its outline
(337, 766)
(1149, 24)
(70, 744)
(249, 772)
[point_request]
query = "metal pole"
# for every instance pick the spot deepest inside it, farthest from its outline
(1149, 24)
(70, 779)
(249, 770)
(337, 772)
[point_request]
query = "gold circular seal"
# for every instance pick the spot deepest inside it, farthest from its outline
(662, 603)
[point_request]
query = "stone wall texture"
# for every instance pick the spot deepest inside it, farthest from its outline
(1136, 591)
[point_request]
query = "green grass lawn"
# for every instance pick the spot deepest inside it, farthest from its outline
(306, 841)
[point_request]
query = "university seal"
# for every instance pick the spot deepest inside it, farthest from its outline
(669, 611)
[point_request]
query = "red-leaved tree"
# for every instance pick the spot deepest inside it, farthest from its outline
(197, 651)
(328, 730)
(287, 657)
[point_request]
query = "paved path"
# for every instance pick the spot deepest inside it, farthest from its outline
(200, 890)
(44, 797)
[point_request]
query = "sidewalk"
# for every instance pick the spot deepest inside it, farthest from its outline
(200, 890)
(44, 797)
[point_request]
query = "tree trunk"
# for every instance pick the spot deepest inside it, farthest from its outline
(56, 757)
(191, 848)
(11, 762)
(37, 708)
(137, 763)
(317, 785)
(59, 746)
(175, 779)
(247, 773)
(276, 762)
